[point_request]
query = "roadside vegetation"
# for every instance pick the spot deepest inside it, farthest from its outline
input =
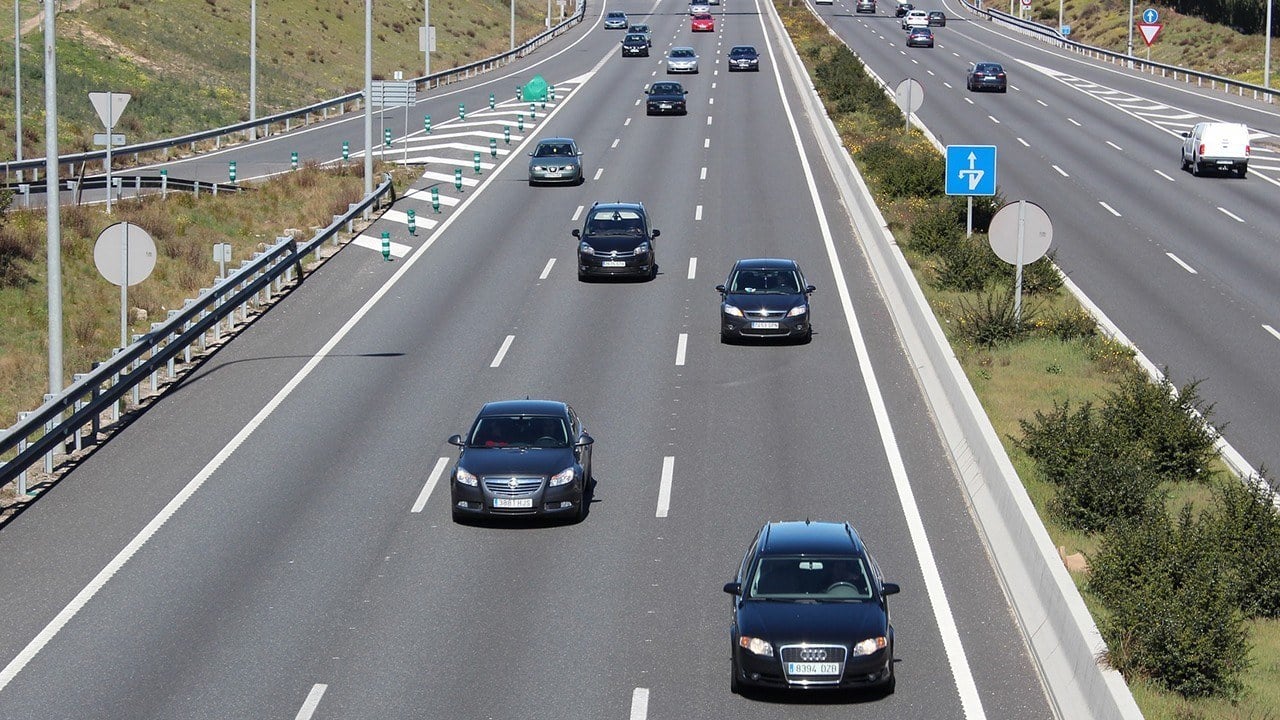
(1183, 572)
(186, 62)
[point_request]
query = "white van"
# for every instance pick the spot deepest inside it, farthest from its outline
(1216, 145)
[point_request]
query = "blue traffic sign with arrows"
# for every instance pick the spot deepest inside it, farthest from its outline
(971, 170)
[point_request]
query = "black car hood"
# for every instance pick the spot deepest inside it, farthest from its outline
(607, 243)
(516, 461)
(764, 301)
(790, 622)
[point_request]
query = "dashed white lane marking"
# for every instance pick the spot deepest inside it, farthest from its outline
(703, 175)
(1061, 172)
(599, 172)
(627, 121)
(577, 214)
(968, 100)
(313, 700)
(1024, 142)
(1043, 103)
(502, 351)
(1178, 260)
(708, 119)
(947, 85)
(1115, 146)
(1231, 215)
(706, 143)
(711, 101)
(615, 143)
(993, 119)
(1166, 177)
(693, 267)
(1110, 209)
(547, 270)
(1274, 333)
(1073, 122)
(365, 241)
(432, 479)
(640, 704)
(664, 505)
(682, 345)
(697, 213)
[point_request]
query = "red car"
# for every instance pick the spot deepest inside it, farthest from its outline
(704, 23)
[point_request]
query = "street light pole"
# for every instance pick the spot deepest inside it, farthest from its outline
(17, 82)
(513, 24)
(368, 97)
(52, 200)
(426, 23)
(1266, 64)
(1129, 51)
(253, 67)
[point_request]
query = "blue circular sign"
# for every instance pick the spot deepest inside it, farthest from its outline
(1150, 15)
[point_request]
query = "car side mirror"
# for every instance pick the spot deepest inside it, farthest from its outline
(656, 232)
(579, 153)
(889, 589)
(455, 440)
(1186, 134)
(733, 588)
(684, 92)
(576, 232)
(720, 289)
(809, 289)
(584, 440)
(530, 153)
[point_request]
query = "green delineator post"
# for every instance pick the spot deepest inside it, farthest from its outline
(386, 245)
(293, 160)
(426, 123)
(491, 103)
(493, 147)
(346, 151)
(506, 134)
(435, 198)
(533, 111)
(462, 111)
(475, 161)
(520, 121)
(457, 179)
(386, 137)
(413, 223)
(231, 170)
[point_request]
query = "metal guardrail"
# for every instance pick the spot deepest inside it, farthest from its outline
(323, 108)
(22, 192)
(73, 418)
(1214, 81)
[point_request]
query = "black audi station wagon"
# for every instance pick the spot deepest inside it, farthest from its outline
(522, 457)
(810, 611)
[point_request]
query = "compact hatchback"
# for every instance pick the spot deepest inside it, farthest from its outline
(765, 298)
(699, 7)
(522, 457)
(986, 76)
(555, 160)
(616, 240)
(744, 57)
(810, 611)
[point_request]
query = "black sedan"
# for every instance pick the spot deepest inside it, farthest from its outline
(810, 611)
(744, 57)
(986, 76)
(522, 457)
(665, 98)
(765, 298)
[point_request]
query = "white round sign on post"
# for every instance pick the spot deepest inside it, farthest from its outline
(1037, 233)
(909, 95)
(124, 252)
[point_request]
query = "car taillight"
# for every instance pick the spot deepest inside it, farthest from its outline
(1246, 151)
(1000, 75)
(1201, 148)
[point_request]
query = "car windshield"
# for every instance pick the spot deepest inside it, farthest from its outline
(767, 281)
(617, 16)
(666, 89)
(809, 578)
(638, 29)
(519, 431)
(682, 53)
(742, 51)
(615, 222)
(554, 150)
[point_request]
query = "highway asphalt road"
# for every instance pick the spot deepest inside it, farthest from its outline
(273, 540)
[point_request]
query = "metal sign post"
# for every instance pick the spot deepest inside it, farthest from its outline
(125, 254)
(109, 106)
(1020, 233)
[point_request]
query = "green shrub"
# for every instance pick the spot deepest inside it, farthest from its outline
(1058, 439)
(1038, 278)
(1246, 528)
(917, 171)
(1109, 354)
(1129, 553)
(1173, 427)
(877, 157)
(935, 231)
(1110, 482)
(966, 265)
(984, 208)
(990, 321)
(1177, 623)
(1066, 325)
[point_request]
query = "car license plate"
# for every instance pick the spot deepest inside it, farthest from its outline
(553, 173)
(764, 326)
(664, 106)
(513, 502)
(613, 263)
(813, 668)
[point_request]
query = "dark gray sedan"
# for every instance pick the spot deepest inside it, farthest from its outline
(556, 160)
(765, 298)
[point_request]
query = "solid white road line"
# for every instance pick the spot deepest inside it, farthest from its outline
(957, 659)
(313, 700)
(547, 270)
(640, 704)
(1109, 209)
(1231, 215)
(697, 213)
(502, 351)
(432, 479)
(682, 345)
(1178, 260)
(664, 488)
(693, 267)
(1274, 333)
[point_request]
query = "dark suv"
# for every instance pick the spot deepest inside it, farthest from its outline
(616, 239)
(810, 611)
(522, 457)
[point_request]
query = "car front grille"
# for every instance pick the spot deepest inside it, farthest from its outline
(764, 314)
(505, 487)
(813, 654)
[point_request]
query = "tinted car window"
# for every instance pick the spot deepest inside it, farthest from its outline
(665, 88)
(615, 222)
(765, 281)
(520, 431)
(679, 53)
(553, 150)
(741, 51)
(810, 578)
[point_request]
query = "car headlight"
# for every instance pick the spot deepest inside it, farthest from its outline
(731, 310)
(870, 645)
(564, 477)
(756, 645)
(797, 310)
(586, 249)
(466, 478)
(642, 248)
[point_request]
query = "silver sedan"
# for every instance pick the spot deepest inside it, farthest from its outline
(556, 160)
(682, 60)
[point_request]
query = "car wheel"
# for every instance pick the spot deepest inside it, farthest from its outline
(582, 277)
(735, 685)
(1183, 160)
(532, 182)
(457, 517)
(807, 337)
(1004, 89)
(1242, 170)
(1195, 167)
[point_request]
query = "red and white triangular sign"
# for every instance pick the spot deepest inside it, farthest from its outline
(1150, 31)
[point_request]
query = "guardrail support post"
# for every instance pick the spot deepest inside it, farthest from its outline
(76, 407)
(48, 428)
(22, 447)
(137, 393)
